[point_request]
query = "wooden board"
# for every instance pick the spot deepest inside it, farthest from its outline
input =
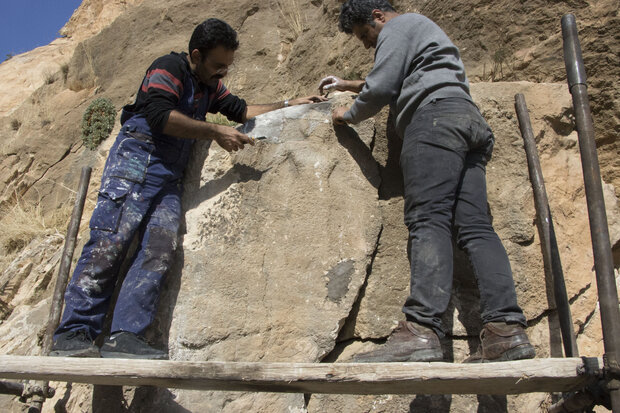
(526, 376)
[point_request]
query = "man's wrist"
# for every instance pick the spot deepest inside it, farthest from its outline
(286, 104)
(216, 131)
(357, 85)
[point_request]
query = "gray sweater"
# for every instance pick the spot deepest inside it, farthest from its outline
(415, 62)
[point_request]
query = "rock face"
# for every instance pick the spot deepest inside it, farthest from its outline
(278, 242)
(25, 73)
(294, 249)
(279, 237)
(512, 208)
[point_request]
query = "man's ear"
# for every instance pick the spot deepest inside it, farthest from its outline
(378, 15)
(196, 56)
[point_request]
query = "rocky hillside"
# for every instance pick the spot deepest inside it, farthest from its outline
(296, 250)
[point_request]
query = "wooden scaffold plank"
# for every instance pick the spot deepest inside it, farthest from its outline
(525, 376)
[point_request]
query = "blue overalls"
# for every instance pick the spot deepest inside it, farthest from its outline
(140, 194)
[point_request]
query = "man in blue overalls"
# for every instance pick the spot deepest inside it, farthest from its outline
(141, 191)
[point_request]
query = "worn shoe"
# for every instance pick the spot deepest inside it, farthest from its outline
(124, 344)
(502, 342)
(76, 343)
(408, 342)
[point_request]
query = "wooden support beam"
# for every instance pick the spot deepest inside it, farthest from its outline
(526, 376)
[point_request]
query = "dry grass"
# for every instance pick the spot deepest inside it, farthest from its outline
(501, 67)
(64, 69)
(20, 224)
(49, 76)
(291, 13)
(24, 221)
(220, 119)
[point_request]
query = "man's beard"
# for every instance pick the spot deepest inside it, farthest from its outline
(214, 80)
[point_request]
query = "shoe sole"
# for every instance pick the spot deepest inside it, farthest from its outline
(85, 353)
(522, 352)
(427, 355)
(118, 355)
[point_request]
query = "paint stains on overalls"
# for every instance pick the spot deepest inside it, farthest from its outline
(140, 194)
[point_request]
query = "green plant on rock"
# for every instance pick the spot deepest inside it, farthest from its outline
(97, 122)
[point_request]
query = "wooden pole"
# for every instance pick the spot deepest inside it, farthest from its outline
(65, 263)
(512, 377)
(61, 280)
(548, 241)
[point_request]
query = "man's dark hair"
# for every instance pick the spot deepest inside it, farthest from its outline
(212, 33)
(355, 12)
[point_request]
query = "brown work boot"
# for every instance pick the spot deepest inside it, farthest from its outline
(502, 342)
(408, 342)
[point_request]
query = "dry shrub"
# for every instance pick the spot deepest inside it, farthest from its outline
(291, 13)
(64, 69)
(15, 124)
(502, 66)
(24, 221)
(50, 77)
(20, 225)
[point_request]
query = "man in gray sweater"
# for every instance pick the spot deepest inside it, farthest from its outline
(446, 146)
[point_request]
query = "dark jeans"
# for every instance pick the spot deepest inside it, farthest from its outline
(445, 151)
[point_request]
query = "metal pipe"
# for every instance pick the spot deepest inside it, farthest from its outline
(63, 276)
(601, 245)
(8, 387)
(549, 244)
(576, 403)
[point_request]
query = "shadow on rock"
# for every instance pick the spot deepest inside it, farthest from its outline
(437, 403)
(237, 174)
(492, 404)
(112, 399)
(61, 404)
(350, 140)
(391, 174)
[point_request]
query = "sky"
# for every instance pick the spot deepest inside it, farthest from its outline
(28, 24)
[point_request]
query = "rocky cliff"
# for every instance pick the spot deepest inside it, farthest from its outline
(294, 249)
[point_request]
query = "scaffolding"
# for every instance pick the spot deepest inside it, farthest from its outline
(584, 381)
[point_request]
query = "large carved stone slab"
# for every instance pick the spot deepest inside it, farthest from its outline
(278, 241)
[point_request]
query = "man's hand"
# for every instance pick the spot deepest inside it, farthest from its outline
(232, 140)
(338, 115)
(332, 82)
(306, 100)
(335, 83)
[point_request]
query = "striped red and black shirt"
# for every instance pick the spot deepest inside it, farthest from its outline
(163, 87)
